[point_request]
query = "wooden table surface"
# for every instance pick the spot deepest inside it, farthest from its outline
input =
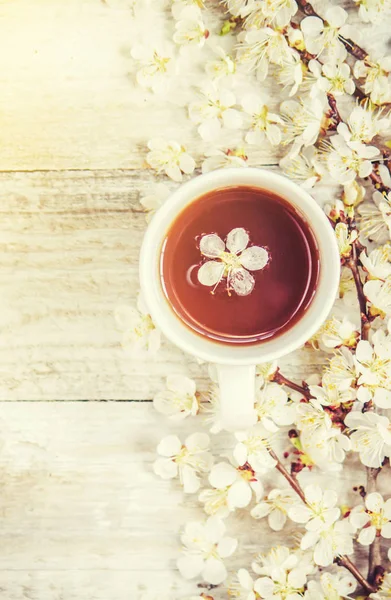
(82, 514)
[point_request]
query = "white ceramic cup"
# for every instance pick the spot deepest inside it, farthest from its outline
(236, 364)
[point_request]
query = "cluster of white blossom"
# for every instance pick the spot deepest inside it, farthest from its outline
(330, 123)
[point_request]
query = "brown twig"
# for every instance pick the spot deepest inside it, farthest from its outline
(353, 266)
(308, 10)
(374, 557)
(344, 560)
(302, 389)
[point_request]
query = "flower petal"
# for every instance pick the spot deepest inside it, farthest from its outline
(165, 468)
(382, 398)
(374, 502)
(181, 384)
(386, 530)
(312, 26)
(222, 475)
(239, 495)
(367, 535)
(241, 281)
(169, 446)
(261, 510)
(245, 580)
(211, 245)
(277, 519)
(214, 571)
(237, 240)
(254, 258)
(190, 481)
(190, 565)
(186, 163)
(264, 586)
(211, 272)
(227, 546)
(197, 441)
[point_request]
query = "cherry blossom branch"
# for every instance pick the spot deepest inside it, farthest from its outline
(374, 556)
(343, 561)
(278, 377)
(308, 10)
(352, 264)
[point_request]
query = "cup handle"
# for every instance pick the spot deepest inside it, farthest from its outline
(237, 396)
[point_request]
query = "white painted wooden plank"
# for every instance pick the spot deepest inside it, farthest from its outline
(69, 246)
(84, 516)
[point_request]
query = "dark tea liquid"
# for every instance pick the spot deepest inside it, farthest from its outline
(282, 290)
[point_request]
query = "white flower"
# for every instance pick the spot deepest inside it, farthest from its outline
(375, 219)
(374, 519)
(273, 408)
(139, 332)
(179, 399)
(332, 77)
(328, 451)
(346, 160)
(186, 460)
(335, 333)
(363, 124)
(329, 543)
(331, 586)
(319, 512)
(157, 64)
(205, 545)
(190, 29)
(291, 72)
(371, 11)
(324, 36)
(373, 364)
(169, 158)
(332, 394)
(302, 166)
(243, 587)
(158, 193)
(376, 80)
(261, 47)
(178, 6)
(266, 371)
(341, 370)
(252, 449)
(384, 591)
(275, 507)
(218, 159)
(233, 261)
(279, 13)
(239, 483)
(370, 436)
(240, 8)
(313, 421)
(345, 239)
(353, 193)
(302, 121)
(377, 262)
(214, 110)
(222, 66)
(285, 574)
(379, 294)
(262, 122)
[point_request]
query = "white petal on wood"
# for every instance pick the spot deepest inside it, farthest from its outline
(210, 272)
(237, 240)
(241, 281)
(254, 258)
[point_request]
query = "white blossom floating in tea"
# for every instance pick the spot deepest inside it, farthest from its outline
(233, 261)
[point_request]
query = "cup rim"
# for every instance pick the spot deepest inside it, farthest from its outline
(200, 346)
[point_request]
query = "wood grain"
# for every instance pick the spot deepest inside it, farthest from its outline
(84, 516)
(69, 246)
